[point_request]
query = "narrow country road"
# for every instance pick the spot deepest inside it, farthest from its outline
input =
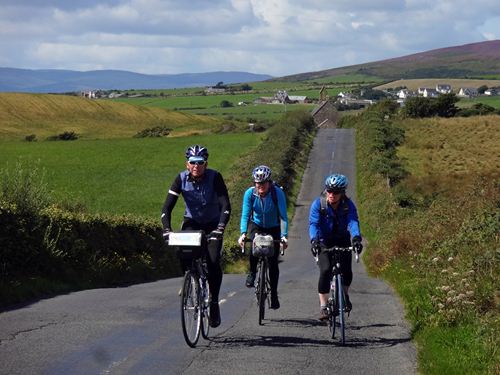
(136, 330)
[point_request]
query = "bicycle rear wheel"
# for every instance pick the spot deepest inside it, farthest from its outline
(262, 291)
(190, 309)
(205, 308)
(341, 308)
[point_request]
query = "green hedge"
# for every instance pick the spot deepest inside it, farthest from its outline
(76, 251)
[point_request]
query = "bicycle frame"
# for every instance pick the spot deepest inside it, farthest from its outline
(263, 286)
(336, 301)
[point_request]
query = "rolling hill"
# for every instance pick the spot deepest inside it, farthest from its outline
(466, 61)
(46, 115)
(59, 81)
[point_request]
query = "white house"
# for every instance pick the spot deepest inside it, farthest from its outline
(467, 92)
(421, 90)
(405, 93)
(490, 92)
(297, 98)
(443, 88)
(430, 93)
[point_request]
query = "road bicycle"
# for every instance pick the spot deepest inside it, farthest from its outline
(195, 291)
(336, 307)
(263, 248)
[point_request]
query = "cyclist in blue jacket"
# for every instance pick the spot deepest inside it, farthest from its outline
(333, 221)
(263, 211)
(207, 208)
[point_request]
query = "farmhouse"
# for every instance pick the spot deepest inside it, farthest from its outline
(443, 88)
(215, 90)
(467, 92)
(405, 93)
(298, 99)
(430, 93)
(491, 92)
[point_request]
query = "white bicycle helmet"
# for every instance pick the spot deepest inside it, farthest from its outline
(261, 173)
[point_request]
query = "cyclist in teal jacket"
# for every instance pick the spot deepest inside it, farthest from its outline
(263, 211)
(333, 221)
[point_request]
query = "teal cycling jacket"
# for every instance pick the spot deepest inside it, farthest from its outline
(264, 212)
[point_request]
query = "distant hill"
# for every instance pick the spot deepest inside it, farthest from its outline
(59, 81)
(466, 61)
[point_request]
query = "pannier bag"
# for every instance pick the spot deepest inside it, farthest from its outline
(263, 246)
(187, 244)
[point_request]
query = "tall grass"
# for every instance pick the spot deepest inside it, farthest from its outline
(440, 248)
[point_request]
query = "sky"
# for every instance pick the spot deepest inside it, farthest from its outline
(275, 37)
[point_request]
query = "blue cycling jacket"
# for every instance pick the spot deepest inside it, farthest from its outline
(337, 225)
(264, 212)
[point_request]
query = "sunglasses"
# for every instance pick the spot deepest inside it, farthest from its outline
(197, 162)
(336, 192)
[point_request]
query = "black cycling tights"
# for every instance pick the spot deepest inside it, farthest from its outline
(213, 259)
(325, 270)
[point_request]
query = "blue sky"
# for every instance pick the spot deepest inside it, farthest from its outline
(276, 37)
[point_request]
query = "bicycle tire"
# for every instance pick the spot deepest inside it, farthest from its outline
(341, 304)
(331, 314)
(205, 310)
(262, 292)
(190, 309)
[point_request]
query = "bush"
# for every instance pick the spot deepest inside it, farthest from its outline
(66, 136)
(24, 187)
(30, 138)
(157, 131)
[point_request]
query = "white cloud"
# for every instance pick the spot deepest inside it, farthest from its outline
(277, 37)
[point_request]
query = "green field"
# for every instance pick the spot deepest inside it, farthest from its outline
(122, 176)
(493, 101)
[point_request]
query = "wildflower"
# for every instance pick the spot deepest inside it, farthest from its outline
(435, 260)
(461, 296)
(455, 273)
(445, 288)
(450, 259)
(444, 271)
(440, 306)
(471, 272)
(449, 300)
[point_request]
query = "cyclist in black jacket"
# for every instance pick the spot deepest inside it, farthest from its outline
(207, 208)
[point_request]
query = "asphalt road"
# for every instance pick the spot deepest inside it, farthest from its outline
(136, 330)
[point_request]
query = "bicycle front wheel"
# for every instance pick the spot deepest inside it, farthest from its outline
(262, 291)
(341, 304)
(205, 308)
(331, 315)
(190, 309)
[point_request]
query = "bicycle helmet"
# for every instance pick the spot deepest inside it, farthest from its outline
(261, 173)
(196, 153)
(336, 182)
